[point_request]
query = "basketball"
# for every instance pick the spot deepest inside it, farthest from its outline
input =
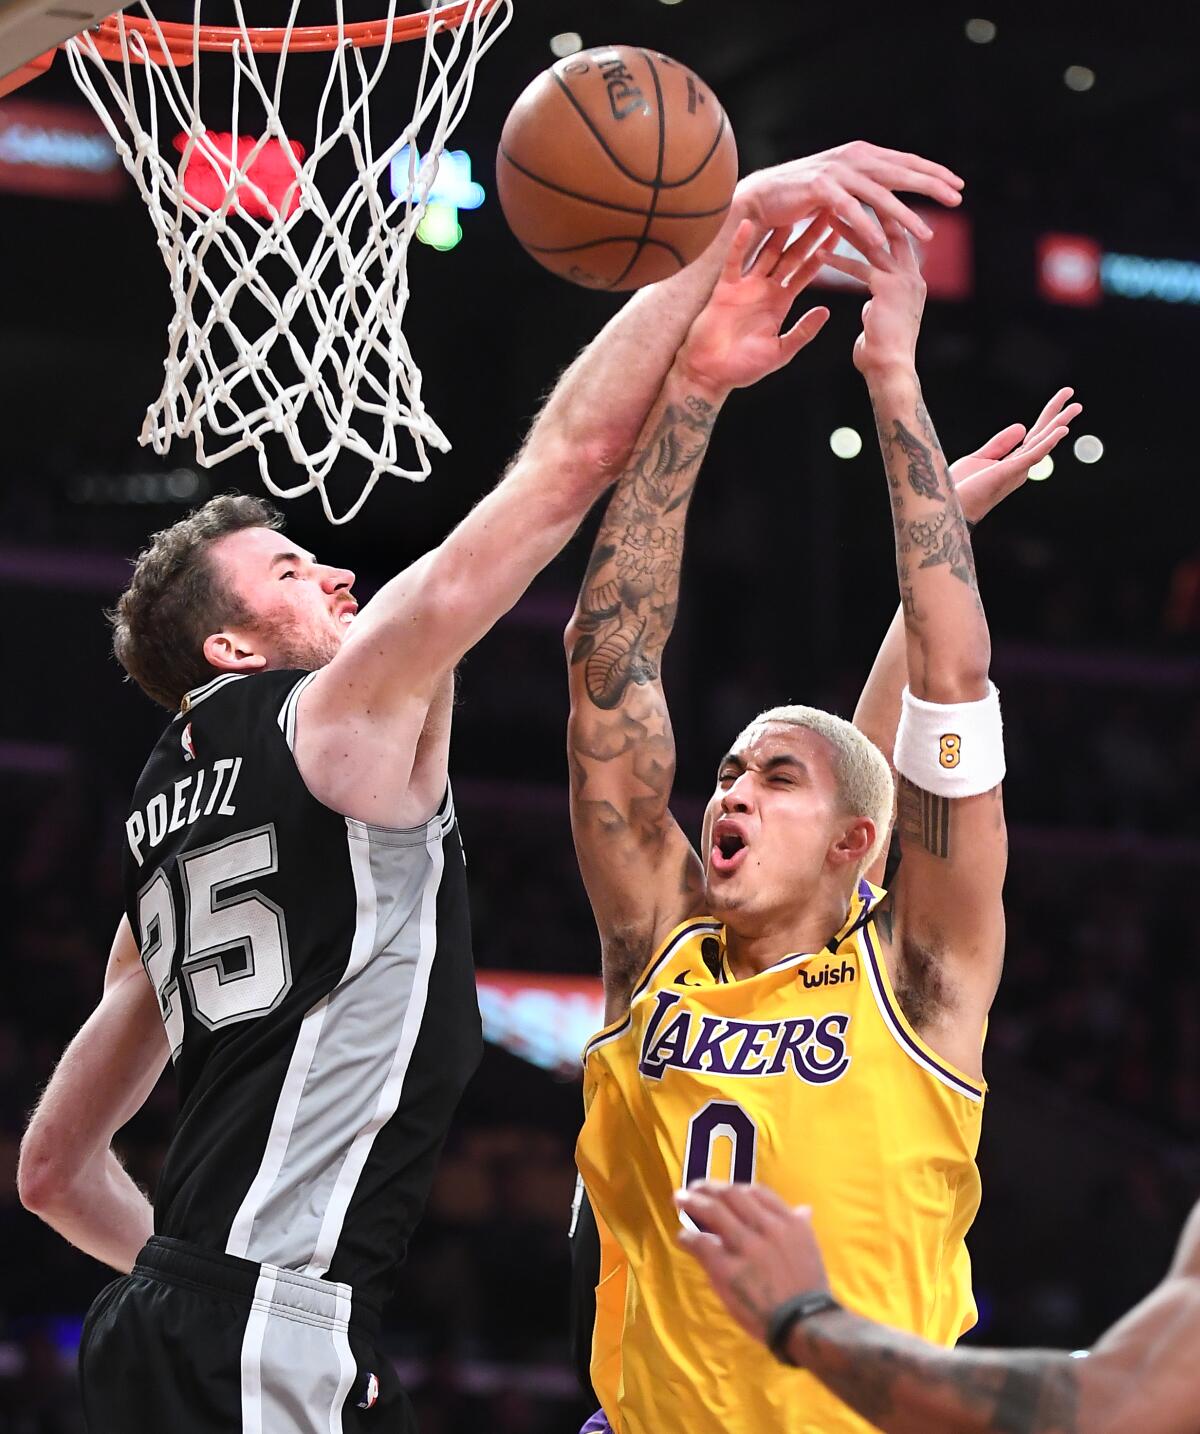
(616, 167)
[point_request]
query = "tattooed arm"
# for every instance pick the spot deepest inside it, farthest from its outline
(946, 916)
(641, 873)
(1142, 1374)
(982, 479)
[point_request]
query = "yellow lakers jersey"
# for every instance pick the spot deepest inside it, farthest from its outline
(807, 1077)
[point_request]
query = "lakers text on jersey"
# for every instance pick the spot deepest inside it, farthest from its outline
(807, 1077)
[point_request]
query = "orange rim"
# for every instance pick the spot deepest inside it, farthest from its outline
(181, 40)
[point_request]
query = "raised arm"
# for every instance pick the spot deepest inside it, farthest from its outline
(946, 904)
(641, 873)
(420, 624)
(981, 479)
(68, 1173)
(761, 1256)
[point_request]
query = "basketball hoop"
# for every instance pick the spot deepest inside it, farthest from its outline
(287, 332)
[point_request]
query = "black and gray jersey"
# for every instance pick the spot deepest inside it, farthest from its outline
(315, 979)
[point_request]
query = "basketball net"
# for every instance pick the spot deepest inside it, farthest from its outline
(255, 251)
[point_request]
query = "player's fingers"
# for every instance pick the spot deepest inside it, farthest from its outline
(705, 1247)
(901, 245)
(768, 255)
(1058, 420)
(735, 259)
(1032, 452)
(802, 249)
(753, 1213)
(1001, 444)
(802, 332)
(1052, 408)
(916, 169)
(856, 223)
(845, 265)
(874, 249)
(945, 188)
(769, 1202)
(798, 273)
(713, 1213)
(887, 206)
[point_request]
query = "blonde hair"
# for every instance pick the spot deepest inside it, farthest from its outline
(864, 779)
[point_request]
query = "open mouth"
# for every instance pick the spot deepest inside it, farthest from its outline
(728, 851)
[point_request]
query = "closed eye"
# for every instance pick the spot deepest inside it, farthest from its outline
(290, 573)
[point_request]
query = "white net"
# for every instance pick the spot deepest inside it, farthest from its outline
(287, 335)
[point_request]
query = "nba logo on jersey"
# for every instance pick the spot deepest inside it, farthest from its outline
(371, 1393)
(185, 741)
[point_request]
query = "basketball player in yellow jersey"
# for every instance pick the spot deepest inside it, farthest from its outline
(772, 1015)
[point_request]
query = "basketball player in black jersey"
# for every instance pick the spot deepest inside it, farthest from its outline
(295, 895)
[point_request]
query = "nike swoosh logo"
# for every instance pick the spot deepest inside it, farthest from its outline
(683, 981)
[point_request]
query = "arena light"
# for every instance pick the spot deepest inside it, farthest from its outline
(544, 1019)
(452, 189)
(569, 42)
(1042, 469)
(1074, 269)
(178, 485)
(980, 32)
(846, 442)
(62, 151)
(1133, 276)
(1079, 78)
(1088, 448)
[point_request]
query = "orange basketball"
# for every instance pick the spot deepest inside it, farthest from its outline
(616, 167)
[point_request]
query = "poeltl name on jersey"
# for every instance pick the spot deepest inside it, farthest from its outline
(205, 791)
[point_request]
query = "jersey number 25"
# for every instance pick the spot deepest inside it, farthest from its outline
(217, 926)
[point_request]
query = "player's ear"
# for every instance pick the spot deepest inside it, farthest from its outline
(231, 652)
(852, 846)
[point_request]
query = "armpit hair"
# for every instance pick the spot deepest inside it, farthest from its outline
(626, 951)
(921, 986)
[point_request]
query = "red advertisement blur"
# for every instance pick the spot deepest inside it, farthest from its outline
(1068, 269)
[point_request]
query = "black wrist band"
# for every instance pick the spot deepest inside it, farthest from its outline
(784, 1318)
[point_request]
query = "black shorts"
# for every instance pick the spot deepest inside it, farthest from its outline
(193, 1342)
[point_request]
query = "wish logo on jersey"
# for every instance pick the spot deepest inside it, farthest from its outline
(813, 1048)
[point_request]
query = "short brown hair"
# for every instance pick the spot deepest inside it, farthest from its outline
(176, 598)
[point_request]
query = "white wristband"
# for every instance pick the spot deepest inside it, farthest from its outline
(953, 749)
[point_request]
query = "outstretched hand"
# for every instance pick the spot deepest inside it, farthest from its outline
(987, 476)
(736, 338)
(843, 181)
(891, 317)
(756, 1249)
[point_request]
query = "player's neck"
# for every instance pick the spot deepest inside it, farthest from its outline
(756, 946)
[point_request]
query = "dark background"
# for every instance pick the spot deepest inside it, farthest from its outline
(1091, 580)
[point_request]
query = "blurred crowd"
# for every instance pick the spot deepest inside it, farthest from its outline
(1100, 1004)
